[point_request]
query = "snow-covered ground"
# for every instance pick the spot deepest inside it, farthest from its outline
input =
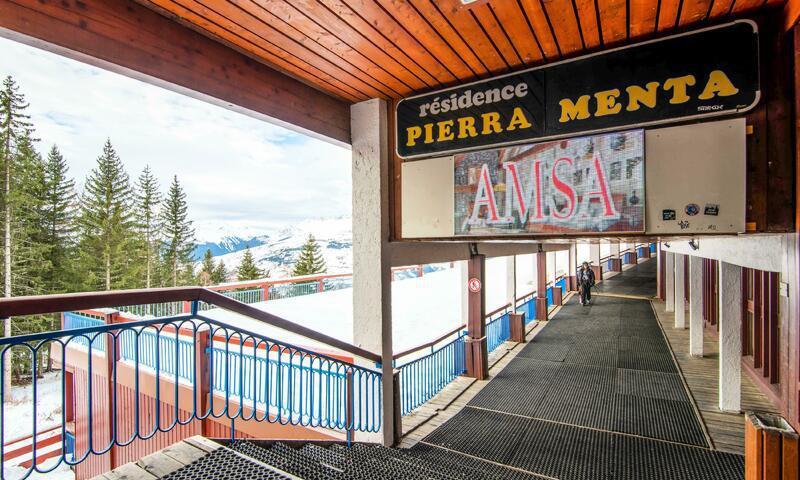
(18, 411)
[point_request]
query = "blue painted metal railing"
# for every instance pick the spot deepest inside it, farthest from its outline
(249, 376)
(652, 248)
(498, 330)
(422, 378)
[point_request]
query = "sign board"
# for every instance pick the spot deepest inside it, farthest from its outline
(474, 285)
(709, 72)
(582, 185)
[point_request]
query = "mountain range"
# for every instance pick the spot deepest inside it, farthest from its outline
(278, 250)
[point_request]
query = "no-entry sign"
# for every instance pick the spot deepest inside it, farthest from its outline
(474, 285)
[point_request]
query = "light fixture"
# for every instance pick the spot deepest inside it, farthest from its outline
(694, 244)
(666, 244)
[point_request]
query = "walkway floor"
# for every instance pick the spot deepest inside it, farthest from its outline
(596, 395)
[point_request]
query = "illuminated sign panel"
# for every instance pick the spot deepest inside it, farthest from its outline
(705, 73)
(583, 185)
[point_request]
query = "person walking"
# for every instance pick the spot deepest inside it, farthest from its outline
(586, 281)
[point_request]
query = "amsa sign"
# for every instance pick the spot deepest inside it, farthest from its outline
(583, 185)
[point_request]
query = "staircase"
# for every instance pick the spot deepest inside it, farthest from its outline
(246, 459)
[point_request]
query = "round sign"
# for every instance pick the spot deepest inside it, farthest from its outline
(692, 209)
(474, 285)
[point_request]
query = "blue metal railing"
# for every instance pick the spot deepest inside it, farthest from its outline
(277, 292)
(249, 377)
(498, 330)
(421, 379)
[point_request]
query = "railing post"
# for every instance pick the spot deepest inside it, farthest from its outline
(266, 291)
(349, 412)
(397, 418)
(321, 286)
(201, 377)
(112, 356)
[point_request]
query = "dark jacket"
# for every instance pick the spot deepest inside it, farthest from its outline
(586, 277)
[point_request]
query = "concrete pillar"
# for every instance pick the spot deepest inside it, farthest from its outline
(615, 250)
(669, 267)
(730, 337)
(680, 295)
(696, 306)
(511, 281)
(372, 273)
(463, 268)
(659, 269)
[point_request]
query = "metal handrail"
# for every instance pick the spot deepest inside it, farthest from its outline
(245, 376)
(34, 305)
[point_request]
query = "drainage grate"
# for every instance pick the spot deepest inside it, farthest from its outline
(657, 418)
(552, 352)
(462, 466)
(489, 435)
(223, 464)
(565, 452)
(639, 458)
(642, 383)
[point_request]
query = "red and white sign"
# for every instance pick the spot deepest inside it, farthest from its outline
(581, 185)
(474, 285)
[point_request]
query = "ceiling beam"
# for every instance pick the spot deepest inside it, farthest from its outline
(127, 38)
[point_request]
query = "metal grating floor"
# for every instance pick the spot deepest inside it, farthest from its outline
(224, 464)
(615, 406)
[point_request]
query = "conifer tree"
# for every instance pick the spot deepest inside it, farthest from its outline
(15, 128)
(107, 224)
(220, 274)
(148, 201)
(311, 261)
(206, 275)
(58, 222)
(248, 270)
(178, 243)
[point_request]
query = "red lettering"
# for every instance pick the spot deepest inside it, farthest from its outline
(484, 196)
(518, 193)
(565, 189)
(536, 173)
(609, 211)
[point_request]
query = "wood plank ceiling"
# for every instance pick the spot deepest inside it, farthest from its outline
(361, 49)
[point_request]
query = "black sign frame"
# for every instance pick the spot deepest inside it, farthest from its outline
(541, 118)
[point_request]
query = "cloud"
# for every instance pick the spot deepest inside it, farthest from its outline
(236, 170)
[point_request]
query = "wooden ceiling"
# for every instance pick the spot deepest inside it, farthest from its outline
(361, 49)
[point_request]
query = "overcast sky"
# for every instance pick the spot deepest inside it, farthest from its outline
(241, 175)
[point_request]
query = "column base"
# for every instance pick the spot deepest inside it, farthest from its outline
(477, 358)
(541, 308)
(557, 301)
(516, 323)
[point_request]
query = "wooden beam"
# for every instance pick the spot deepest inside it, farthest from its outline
(791, 14)
(130, 39)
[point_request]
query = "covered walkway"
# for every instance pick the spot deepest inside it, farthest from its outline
(596, 394)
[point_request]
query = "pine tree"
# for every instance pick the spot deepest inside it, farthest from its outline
(220, 274)
(58, 223)
(248, 270)
(14, 128)
(178, 243)
(206, 275)
(148, 201)
(311, 261)
(107, 224)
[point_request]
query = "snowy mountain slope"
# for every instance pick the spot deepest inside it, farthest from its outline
(227, 244)
(281, 248)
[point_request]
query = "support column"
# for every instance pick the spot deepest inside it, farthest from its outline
(372, 273)
(594, 259)
(669, 267)
(730, 337)
(680, 295)
(463, 267)
(659, 272)
(477, 354)
(541, 286)
(572, 267)
(695, 306)
(616, 262)
(511, 282)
